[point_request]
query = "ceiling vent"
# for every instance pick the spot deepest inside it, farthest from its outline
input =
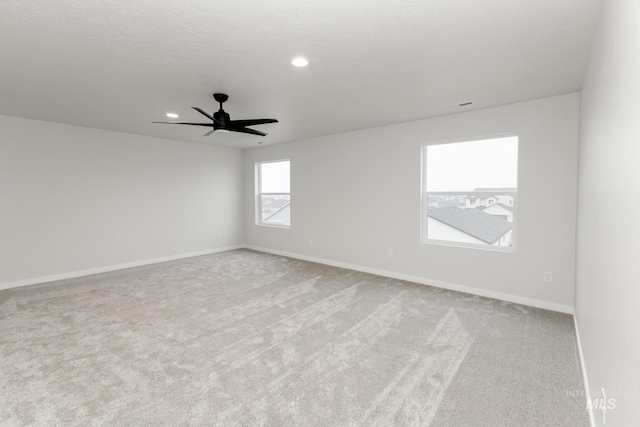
(460, 105)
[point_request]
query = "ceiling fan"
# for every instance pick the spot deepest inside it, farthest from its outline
(221, 121)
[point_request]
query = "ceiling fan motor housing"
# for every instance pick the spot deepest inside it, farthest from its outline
(222, 119)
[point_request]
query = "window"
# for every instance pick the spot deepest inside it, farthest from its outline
(470, 193)
(273, 194)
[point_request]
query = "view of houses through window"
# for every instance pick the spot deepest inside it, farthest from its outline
(273, 193)
(471, 193)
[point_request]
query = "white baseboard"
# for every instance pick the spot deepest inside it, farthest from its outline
(425, 281)
(416, 279)
(91, 271)
(585, 379)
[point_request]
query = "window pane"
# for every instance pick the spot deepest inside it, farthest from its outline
(471, 165)
(471, 190)
(274, 177)
(276, 209)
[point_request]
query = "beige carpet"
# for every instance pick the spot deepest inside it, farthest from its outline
(251, 339)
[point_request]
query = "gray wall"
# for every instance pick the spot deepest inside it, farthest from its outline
(356, 195)
(608, 263)
(74, 199)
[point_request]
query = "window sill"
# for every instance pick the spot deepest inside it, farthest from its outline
(273, 225)
(504, 249)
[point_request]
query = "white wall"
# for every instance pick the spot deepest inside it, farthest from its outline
(356, 195)
(608, 265)
(75, 199)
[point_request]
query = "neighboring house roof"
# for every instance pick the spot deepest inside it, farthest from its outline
(474, 196)
(281, 216)
(481, 225)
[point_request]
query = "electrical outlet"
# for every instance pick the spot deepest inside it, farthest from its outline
(390, 253)
(218, 235)
(547, 277)
(310, 242)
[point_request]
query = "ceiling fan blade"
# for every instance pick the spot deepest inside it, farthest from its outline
(201, 111)
(247, 130)
(204, 113)
(192, 124)
(251, 122)
(209, 133)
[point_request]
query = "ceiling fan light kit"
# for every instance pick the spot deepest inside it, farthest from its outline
(221, 121)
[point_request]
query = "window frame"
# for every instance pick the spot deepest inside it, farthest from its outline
(424, 198)
(259, 194)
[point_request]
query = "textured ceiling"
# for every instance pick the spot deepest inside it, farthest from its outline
(120, 65)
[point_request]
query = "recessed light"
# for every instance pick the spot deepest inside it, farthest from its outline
(173, 115)
(299, 61)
